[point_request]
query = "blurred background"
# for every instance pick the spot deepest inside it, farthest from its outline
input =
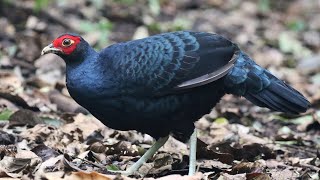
(283, 36)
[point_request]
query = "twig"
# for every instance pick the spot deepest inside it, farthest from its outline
(315, 168)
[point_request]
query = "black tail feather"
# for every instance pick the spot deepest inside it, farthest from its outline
(279, 96)
(260, 87)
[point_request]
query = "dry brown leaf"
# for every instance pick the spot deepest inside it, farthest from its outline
(257, 176)
(283, 174)
(10, 80)
(13, 167)
(5, 105)
(81, 122)
(23, 153)
(120, 148)
(78, 176)
(98, 176)
(206, 163)
(249, 167)
(8, 150)
(52, 164)
(90, 176)
(212, 153)
(237, 152)
(226, 176)
(24, 117)
(6, 138)
(44, 152)
(94, 137)
(175, 146)
(197, 176)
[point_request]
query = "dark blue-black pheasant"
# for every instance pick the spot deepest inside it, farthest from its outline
(162, 84)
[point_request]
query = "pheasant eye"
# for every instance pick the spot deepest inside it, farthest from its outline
(67, 42)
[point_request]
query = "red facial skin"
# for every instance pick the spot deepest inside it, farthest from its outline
(58, 43)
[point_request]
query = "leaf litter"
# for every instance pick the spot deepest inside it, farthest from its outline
(46, 135)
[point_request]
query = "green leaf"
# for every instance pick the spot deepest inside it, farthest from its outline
(105, 25)
(289, 44)
(154, 6)
(5, 114)
(221, 120)
(264, 6)
(181, 24)
(40, 4)
(154, 27)
(112, 167)
(297, 25)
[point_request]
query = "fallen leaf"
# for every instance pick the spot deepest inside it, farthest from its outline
(44, 152)
(206, 163)
(88, 176)
(8, 150)
(248, 167)
(162, 159)
(257, 176)
(69, 165)
(252, 151)
(226, 176)
(249, 152)
(120, 148)
(197, 176)
(81, 122)
(50, 165)
(65, 104)
(16, 99)
(10, 80)
(78, 176)
(6, 138)
(112, 167)
(24, 117)
(13, 167)
(95, 136)
(5, 114)
(212, 153)
(283, 174)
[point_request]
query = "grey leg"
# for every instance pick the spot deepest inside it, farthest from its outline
(193, 152)
(147, 155)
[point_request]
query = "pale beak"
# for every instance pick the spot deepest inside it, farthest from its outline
(50, 49)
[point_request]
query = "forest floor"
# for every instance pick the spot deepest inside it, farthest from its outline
(44, 134)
